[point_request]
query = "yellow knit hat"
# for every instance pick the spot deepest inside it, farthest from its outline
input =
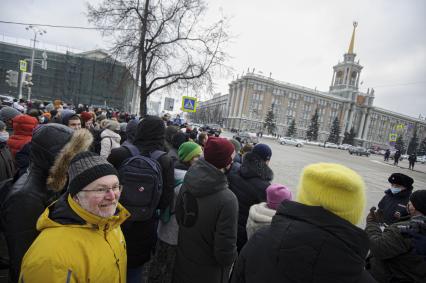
(334, 187)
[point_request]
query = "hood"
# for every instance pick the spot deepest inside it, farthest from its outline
(204, 179)
(261, 213)
(131, 128)
(107, 133)
(58, 175)
(254, 167)
(23, 125)
(66, 115)
(355, 238)
(150, 134)
(66, 212)
(47, 142)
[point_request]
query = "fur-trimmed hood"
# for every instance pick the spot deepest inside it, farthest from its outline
(254, 166)
(80, 141)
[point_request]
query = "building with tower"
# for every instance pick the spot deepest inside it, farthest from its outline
(252, 96)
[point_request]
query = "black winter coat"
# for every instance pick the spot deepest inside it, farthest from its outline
(391, 203)
(398, 255)
(29, 196)
(304, 244)
(249, 185)
(7, 167)
(142, 236)
(207, 248)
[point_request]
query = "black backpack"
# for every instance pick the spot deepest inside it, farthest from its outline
(142, 183)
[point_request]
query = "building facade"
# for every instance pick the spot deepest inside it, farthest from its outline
(252, 96)
(212, 111)
(92, 78)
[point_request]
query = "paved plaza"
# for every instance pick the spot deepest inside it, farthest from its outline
(288, 161)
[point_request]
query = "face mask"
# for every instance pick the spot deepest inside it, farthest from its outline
(395, 190)
(4, 136)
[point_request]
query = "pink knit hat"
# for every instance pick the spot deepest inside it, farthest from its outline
(275, 194)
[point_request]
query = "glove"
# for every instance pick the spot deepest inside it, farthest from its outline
(372, 217)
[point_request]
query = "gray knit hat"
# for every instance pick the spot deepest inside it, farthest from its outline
(85, 168)
(8, 113)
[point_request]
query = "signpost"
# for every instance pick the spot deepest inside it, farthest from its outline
(22, 65)
(189, 104)
(392, 137)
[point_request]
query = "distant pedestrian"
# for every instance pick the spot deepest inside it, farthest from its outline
(387, 155)
(261, 214)
(7, 114)
(393, 204)
(412, 159)
(314, 239)
(110, 137)
(396, 157)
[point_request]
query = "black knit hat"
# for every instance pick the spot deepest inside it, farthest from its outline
(401, 179)
(85, 168)
(418, 199)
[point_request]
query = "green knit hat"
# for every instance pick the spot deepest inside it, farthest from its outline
(188, 150)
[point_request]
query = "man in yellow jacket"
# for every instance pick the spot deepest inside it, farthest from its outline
(81, 239)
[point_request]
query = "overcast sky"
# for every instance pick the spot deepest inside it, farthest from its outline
(297, 41)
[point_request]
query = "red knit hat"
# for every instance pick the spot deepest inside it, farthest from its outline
(86, 116)
(218, 152)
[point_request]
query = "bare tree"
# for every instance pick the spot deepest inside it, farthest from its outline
(165, 41)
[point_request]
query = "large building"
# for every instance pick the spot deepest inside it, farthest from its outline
(92, 77)
(252, 96)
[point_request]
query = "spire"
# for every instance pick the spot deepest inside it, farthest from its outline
(351, 45)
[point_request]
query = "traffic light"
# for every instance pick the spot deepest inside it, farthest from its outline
(28, 80)
(12, 78)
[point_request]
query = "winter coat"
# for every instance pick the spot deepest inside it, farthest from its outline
(394, 257)
(87, 248)
(249, 185)
(30, 195)
(23, 126)
(141, 236)
(412, 158)
(259, 215)
(7, 167)
(304, 244)
(22, 160)
(168, 231)
(207, 247)
(392, 203)
(109, 141)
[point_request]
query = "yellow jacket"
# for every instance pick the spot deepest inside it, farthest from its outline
(76, 246)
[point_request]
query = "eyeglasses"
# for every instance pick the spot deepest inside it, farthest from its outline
(104, 191)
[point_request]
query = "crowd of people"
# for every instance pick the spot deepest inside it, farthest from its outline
(96, 196)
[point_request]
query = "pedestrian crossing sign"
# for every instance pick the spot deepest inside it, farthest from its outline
(189, 104)
(392, 137)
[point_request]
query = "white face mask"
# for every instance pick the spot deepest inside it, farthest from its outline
(395, 190)
(4, 136)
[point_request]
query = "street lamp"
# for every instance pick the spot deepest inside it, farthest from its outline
(37, 31)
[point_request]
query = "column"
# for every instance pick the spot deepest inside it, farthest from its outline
(332, 80)
(234, 104)
(228, 104)
(240, 107)
(351, 117)
(361, 125)
(367, 126)
(345, 118)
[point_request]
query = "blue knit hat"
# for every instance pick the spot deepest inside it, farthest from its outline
(263, 151)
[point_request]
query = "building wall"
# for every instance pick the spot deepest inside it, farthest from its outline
(71, 77)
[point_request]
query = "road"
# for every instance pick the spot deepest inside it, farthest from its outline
(287, 162)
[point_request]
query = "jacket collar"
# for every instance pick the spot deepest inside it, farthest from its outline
(402, 194)
(254, 167)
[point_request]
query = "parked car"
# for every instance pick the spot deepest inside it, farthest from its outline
(330, 145)
(212, 128)
(344, 146)
(358, 150)
(421, 159)
(404, 156)
(6, 100)
(291, 141)
(313, 142)
(246, 137)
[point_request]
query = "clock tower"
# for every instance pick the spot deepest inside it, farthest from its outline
(346, 74)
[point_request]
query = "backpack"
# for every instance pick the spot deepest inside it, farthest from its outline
(142, 183)
(96, 145)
